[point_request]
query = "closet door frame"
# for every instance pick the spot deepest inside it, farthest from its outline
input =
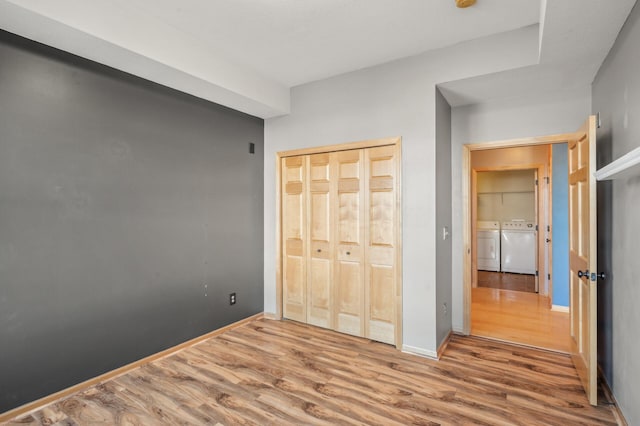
(373, 143)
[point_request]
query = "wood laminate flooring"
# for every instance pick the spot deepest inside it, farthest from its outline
(518, 317)
(281, 372)
(507, 281)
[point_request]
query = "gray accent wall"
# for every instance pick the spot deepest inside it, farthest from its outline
(128, 213)
(616, 96)
(443, 217)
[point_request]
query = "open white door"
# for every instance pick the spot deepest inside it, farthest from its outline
(582, 256)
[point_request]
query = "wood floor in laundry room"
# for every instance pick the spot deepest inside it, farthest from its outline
(507, 281)
(282, 372)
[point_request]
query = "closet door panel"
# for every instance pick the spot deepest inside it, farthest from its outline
(381, 244)
(381, 231)
(319, 291)
(349, 205)
(293, 238)
(349, 298)
(320, 219)
(349, 212)
(381, 306)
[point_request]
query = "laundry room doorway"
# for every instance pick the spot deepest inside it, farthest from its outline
(510, 215)
(506, 210)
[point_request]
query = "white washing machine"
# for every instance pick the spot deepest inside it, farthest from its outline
(518, 247)
(488, 245)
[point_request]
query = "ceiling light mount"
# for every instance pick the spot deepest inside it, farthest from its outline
(465, 3)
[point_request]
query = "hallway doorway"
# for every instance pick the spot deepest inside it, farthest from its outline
(506, 209)
(511, 186)
(582, 238)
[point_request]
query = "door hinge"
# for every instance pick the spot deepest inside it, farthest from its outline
(549, 277)
(546, 179)
(548, 228)
(536, 227)
(536, 273)
(536, 182)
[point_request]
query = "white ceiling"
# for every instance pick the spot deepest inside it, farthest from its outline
(247, 54)
(298, 41)
(575, 38)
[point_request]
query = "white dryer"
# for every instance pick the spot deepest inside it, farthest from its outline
(488, 245)
(518, 247)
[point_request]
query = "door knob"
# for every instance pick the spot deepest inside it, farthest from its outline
(348, 253)
(583, 274)
(595, 276)
(319, 250)
(548, 240)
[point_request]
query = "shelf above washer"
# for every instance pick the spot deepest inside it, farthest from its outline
(626, 166)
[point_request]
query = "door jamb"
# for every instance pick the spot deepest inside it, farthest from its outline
(466, 206)
(549, 231)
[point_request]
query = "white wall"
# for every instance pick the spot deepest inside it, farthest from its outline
(506, 181)
(544, 114)
(394, 99)
(506, 195)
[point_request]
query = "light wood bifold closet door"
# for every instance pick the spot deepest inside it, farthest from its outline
(350, 211)
(381, 242)
(321, 239)
(294, 230)
(339, 238)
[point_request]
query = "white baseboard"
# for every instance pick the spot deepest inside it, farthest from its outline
(558, 308)
(426, 353)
